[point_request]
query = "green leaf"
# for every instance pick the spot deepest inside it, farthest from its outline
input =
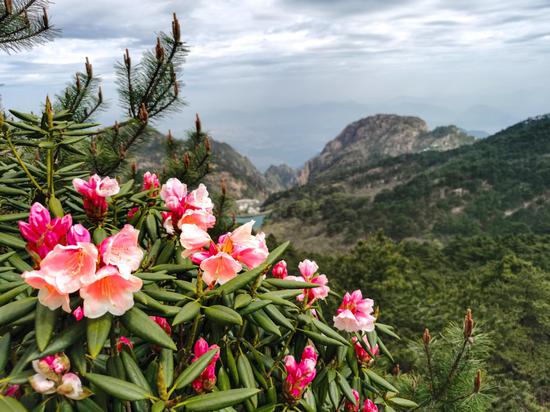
(346, 388)
(187, 312)
(242, 300)
(217, 400)
(119, 388)
(88, 405)
(12, 241)
(97, 332)
(387, 330)
(134, 372)
(16, 309)
(99, 235)
(44, 324)
(165, 295)
(223, 314)
(27, 117)
(380, 381)
(137, 322)
(265, 322)
(194, 370)
(254, 306)
(55, 206)
(173, 268)
(278, 317)
(10, 217)
(290, 284)
(246, 374)
(4, 350)
(327, 330)
(9, 404)
(405, 403)
(155, 277)
(9, 295)
(321, 339)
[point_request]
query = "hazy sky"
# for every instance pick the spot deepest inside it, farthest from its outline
(279, 78)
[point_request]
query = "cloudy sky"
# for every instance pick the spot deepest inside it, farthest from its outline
(277, 79)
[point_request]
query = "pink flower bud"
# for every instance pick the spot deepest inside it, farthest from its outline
(279, 270)
(78, 233)
(299, 375)
(124, 341)
(41, 384)
(78, 313)
(150, 181)
(12, 391)
(163, 323)
(349, 406)
(207, 379)
(369, 406)
(71, 387)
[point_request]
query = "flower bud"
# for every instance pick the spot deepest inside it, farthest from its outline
(100, 95)
(45, 19)
(71, 387)
(49, 112)
(123, 341)
(8, 4)
(89, 70)
(163, 323)
(12, 391)
(198, 125)
(280, 270)
(468, 324)
(78, 314)
(41, 384)
(127, 59)
(186, 160)
(349, 406)
(426, 338)
(477, 382)
(396, 370)
(159, 51)
(78, 233)
(78, 85)
(143, 115)
(176, 32)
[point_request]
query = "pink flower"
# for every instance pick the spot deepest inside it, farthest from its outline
(362, 355)
(355, 313)
(207, 379)
(41, 384)
(122, 250)
(150, 181)
(66, 268)
(163, 323)
(43, 233)
(78, 313)
(111, 292)
(71, 387)
(308, 268)
(349, 406)
(193, 238)
(219, 268)
(78, 233)
(173, 192)
(132, 212)
(279, 270)
(369, 406)
(12, 391)
(200, 199)
(48, 295)
(52, 365)
(95, 191)
(199, 217)
(299, 375)
(123, 341)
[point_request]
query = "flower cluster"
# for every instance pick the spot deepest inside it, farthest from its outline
(102, 275)
(362, 355)
(309, 274)
(220, 262)
(299, 375)
(53, 376)
(368, 405)
(95, 192)
(151, 182)
(355, 313)
(194, 208)
(207, 379)
(43, 233)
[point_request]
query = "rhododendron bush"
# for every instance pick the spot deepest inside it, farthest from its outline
(118, 294)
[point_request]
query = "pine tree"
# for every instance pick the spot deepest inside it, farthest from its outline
(24, 24)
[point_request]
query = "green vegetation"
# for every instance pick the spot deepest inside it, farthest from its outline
(496, 186)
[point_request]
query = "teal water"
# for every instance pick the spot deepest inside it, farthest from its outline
(259, 220)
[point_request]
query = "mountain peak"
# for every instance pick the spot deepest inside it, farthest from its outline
(372, 138)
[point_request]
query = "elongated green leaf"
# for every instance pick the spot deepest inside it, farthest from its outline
(10, 217)
(137, 322)
(404, 403)
(187, 312)
(322, 339)
(223, 314)
(12, 241)
(194, 370)
(327, 330)
(119, 388)
(27, 117)
(346, 388)
(254, 306)
(88, 405)
(278, 317)
(380, 381)
(97, 332)
(289, 284)
(15, 310)
(217, 400)
(44, 324)
(242, 300)
(387, 330)
(155, 277)
(165, 295)
(9, 404)
(265, 322)
(134, 372)
(4, 350)
(8, 296)
(173, 268)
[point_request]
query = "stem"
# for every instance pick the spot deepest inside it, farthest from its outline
(430, 369)
(21, 163)
(280, 357)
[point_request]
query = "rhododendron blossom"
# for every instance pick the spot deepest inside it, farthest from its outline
(53, 376)
(279, 270)
(43, 233)
(362, 355)
(111, 292)
(308, 270)
(150, 181)
(207, 379)
(122, 250)
(186, 208)
(95, 191)
(369, 406)
(222, 261)
(78, 233)
(355, 313)
(299, 375)
(349, 406)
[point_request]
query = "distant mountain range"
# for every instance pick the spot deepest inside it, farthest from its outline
(497, 185)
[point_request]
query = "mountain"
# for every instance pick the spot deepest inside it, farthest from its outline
(281, 177)
(241, 177)
(373, 138)
(498, 185)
